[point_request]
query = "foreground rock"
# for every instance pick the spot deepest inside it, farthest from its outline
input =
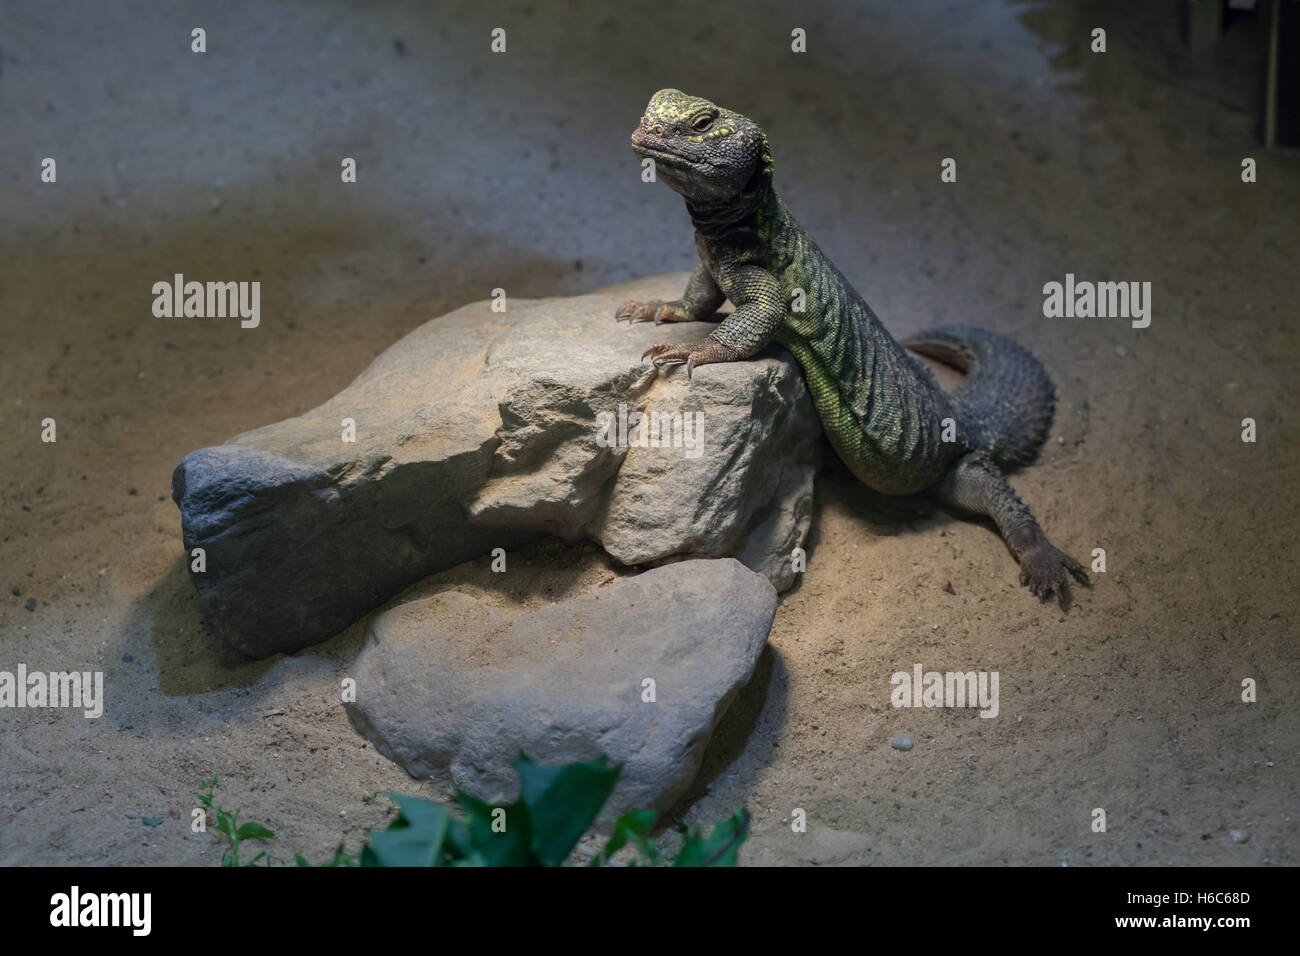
(448, 688)
(480, 430)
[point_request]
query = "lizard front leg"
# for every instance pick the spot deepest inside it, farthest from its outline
(700, 300)
(759, 313)
(976, 485)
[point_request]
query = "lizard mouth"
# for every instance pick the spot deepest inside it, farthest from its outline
(659, 156)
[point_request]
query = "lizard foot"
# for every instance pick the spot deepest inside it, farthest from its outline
(692, 354)
(656, 310)
(1043, 569)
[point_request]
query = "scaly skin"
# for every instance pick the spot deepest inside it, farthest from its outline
(881, 409)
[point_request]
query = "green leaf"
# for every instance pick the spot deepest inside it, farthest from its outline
(408, 846)
(562, 802)
(226, 825)
(720, 847)
(497, 847)
(415, 838)
(458, 845)
(417, 811)
(254, 831)
(633, 827)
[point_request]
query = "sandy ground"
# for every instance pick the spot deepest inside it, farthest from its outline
(480, 171)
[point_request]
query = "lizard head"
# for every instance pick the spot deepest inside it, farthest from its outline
(706, 153)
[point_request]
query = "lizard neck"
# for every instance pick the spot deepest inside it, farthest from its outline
(717, 219)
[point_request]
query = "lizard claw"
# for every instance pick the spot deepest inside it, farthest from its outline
(692, 355)
(1043, 571)
(653, 310)
(663, 355)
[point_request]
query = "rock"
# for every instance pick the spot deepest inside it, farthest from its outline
(480, 430)
(901, 743)
(449, 688)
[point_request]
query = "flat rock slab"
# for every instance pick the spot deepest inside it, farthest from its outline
(448, 688)
(481, 430)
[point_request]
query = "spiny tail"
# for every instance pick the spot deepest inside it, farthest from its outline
(1007, 399)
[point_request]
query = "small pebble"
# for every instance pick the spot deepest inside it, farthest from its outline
(1239, 836)
(17, 592)
(901, 743)
(127, 658)
(1121, 351)
(30, 604)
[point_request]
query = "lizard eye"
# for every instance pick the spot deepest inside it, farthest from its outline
(701, 123)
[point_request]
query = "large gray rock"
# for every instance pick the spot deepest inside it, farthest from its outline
(479, 430)
(450, 689)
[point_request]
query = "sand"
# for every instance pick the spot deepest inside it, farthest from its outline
(478, 171)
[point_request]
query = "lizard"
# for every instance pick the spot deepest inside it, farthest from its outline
(881, 408)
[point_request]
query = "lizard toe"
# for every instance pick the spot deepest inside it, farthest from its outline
(671, 312)
(1043, 572)
(654, 310)
(635, 311)
(692, 354)
(1076, 570)
(667, 355)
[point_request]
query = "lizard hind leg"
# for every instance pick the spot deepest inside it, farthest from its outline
(975, 484)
